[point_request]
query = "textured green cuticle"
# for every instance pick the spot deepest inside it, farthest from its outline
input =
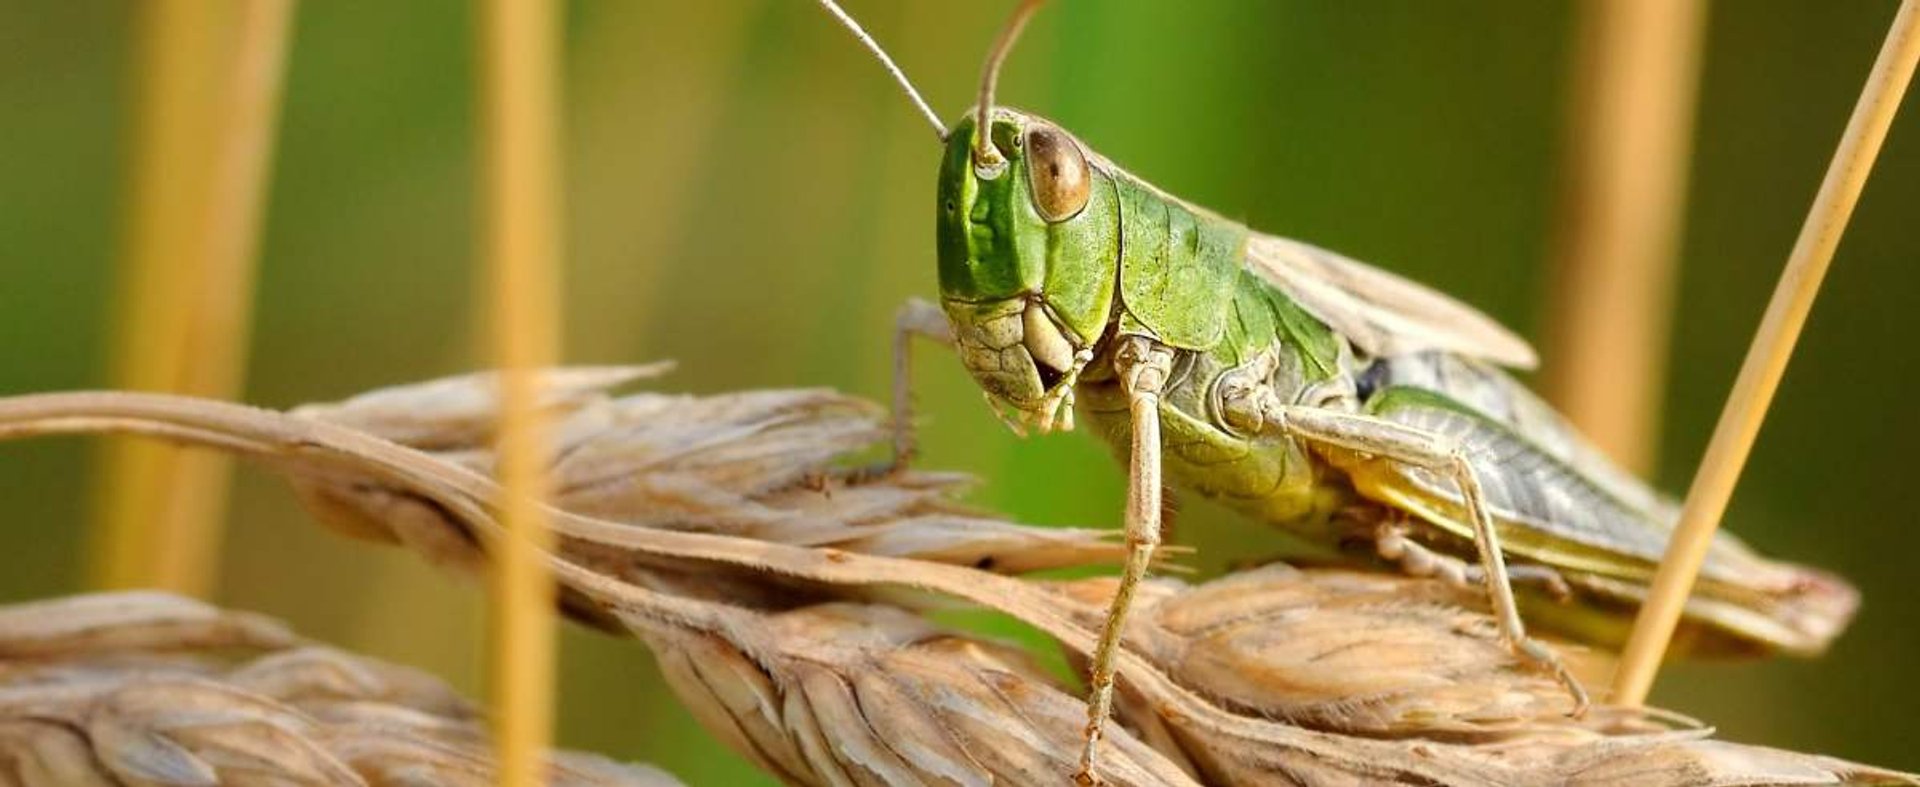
(1250, 329)
(1317, 346)
(1083, 256)
(992, 244)
(1178, 268)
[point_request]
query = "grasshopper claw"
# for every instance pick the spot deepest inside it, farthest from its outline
(1542, 656)
(1084, 774)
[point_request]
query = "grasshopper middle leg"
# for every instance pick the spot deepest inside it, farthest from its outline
(1392, 543)
(1418, 447)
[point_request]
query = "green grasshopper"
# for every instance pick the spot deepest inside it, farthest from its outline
(1301, 388)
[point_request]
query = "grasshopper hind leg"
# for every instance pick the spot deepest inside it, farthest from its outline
(1395, 442)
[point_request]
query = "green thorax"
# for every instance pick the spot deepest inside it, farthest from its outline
(1177, 267)
(1184, 281)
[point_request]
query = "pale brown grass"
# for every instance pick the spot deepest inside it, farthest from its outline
(153, 689)
(782, 592)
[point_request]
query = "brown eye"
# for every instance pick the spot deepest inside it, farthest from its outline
(1057, 171)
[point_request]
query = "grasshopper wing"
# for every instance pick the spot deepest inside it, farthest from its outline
(1381, 313)
(1599, 528)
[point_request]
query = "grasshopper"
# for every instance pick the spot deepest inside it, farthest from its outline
(1303, 389)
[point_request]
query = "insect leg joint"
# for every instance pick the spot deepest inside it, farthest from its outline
(1392, 543)
(1409, 445)
(1143, 367)
(1242, 396)
(915, 318)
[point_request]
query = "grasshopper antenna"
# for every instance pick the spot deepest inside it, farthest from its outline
(987, 161)
(939, 129)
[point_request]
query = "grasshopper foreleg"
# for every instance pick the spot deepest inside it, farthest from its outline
(1143, 367)
(1418, 447)
(925, 320)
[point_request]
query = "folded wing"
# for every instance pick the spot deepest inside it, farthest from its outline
(1381, 313)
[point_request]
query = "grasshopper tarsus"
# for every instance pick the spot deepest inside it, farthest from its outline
(1392, 543)
(1084, 773)
(1544, 577)
(1537, 653)
(1390, 534)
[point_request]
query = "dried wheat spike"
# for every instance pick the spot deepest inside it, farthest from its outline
(1407, 672)
(1413, 664)
(1356, 653)
(771, 466)
(869, 694)
(839, 694)
(1271, 676)
(155, 690)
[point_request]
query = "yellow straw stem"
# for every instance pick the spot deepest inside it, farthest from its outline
(211, 77)
(1767, 358)
(1630, 133)
(521, 241)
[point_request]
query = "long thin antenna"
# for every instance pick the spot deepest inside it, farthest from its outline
(984, 155)
(939, 129)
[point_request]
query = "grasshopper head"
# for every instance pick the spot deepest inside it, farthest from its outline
(1029, 253)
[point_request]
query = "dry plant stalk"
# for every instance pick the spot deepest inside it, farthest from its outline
(519, 234)
(1630, 130)
(781, 591)
(1766, 360)
(210, 102)
(146, 688)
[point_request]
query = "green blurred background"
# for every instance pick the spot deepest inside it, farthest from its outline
(748, 194)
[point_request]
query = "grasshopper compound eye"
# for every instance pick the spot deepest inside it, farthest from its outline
(1057, 173)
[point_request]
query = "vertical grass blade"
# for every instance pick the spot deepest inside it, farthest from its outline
(1630, 131)
(210, 85)
(629, 157)
(1767, 358)
(520, 239)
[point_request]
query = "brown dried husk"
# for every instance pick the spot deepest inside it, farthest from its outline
(145, 688)
(783, 592)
